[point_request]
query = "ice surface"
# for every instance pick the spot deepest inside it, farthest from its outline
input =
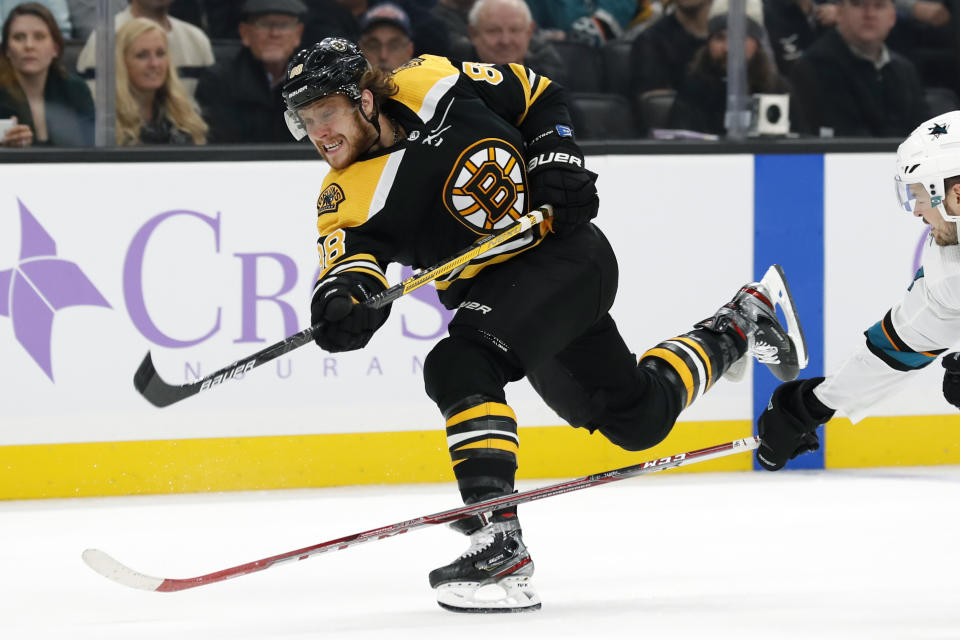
(835, 554)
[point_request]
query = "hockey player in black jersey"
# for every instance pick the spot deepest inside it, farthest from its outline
(425, 161)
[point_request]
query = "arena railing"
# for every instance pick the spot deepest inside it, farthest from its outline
(250, 153)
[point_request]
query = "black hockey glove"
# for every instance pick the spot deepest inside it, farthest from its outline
(345, 323)
(788, 426)
(951, 378)
(556, 176)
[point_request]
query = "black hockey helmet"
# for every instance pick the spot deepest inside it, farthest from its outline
(334, 65)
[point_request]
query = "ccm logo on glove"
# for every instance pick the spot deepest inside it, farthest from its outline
(554, 157)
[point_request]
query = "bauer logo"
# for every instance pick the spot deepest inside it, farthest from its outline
(41, 284)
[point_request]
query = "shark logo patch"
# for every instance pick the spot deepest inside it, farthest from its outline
(938, 130)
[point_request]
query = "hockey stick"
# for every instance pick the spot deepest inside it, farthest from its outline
(110, 568)
(161, 394)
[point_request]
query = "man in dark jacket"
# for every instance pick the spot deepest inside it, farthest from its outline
(848, 83)
(240, 97)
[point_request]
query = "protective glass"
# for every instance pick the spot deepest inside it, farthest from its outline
(905, 197)
(319, 114)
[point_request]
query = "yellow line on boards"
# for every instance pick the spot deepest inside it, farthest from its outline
(283, 462)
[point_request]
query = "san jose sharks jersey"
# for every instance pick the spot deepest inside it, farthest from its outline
(459, 175)
(921, 326)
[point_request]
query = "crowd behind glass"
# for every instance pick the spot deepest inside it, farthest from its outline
(195, 72)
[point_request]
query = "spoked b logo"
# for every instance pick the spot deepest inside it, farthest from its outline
(485, 191)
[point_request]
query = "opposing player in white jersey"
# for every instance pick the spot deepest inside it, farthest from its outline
(912, 334)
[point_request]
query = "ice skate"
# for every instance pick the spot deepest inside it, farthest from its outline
(752, 313)
(493, 575)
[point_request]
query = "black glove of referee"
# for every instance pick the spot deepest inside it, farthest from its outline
(788, 426)
(951, 378)
(345, 322)
(556, 175)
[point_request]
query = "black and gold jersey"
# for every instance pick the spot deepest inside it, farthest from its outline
(459, 175)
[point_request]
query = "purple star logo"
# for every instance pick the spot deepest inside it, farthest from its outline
(40, 285)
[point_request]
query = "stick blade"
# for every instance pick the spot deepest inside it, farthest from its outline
(151, 386)
(119, 573)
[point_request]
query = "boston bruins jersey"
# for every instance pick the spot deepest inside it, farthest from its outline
(459, 175)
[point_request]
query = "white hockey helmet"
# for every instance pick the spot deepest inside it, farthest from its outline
(928, 156)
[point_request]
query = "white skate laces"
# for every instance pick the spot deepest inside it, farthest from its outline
(491, 576)
(782, 349)
(765, 353)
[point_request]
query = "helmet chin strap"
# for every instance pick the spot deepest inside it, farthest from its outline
(374, 119)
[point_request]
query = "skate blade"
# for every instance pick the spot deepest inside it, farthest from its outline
(776, 285)
(509, 595)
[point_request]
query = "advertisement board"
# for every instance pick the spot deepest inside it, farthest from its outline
(206, 263)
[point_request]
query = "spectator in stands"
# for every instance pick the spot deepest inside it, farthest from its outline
(58, 8)
(453, 14)
(429, 36)
(501, 32)
(241, 97)
(660, 54)
(925, 34)
(190, 49)
(221, 18)
(385, 36)
(848, 83)
(51, 106)
(591, 22)
(701, 101)
(152, 105)
(793, 25)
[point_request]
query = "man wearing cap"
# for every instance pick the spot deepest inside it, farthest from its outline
(240, 97)
(386, 36)
(429, 36)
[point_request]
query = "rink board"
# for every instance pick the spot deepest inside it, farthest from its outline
(213, 266)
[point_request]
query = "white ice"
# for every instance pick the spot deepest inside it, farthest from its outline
(835, 554)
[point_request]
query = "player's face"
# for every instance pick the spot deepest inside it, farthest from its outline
(147, 61)
(944, 232)
(30, 46)
(337, 130)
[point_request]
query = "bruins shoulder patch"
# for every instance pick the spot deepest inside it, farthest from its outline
(330, 199)
(409, 64)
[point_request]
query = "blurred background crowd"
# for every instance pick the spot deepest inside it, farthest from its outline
(194, 72)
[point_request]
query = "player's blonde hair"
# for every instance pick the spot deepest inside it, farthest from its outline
(380, 83)
(180, 110)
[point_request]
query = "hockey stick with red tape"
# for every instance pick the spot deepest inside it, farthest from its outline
(110, 568)
(161, 394)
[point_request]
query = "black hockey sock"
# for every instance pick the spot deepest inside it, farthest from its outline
(483, 443)
(695, 360)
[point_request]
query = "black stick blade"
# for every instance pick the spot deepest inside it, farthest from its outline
(152, 387)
